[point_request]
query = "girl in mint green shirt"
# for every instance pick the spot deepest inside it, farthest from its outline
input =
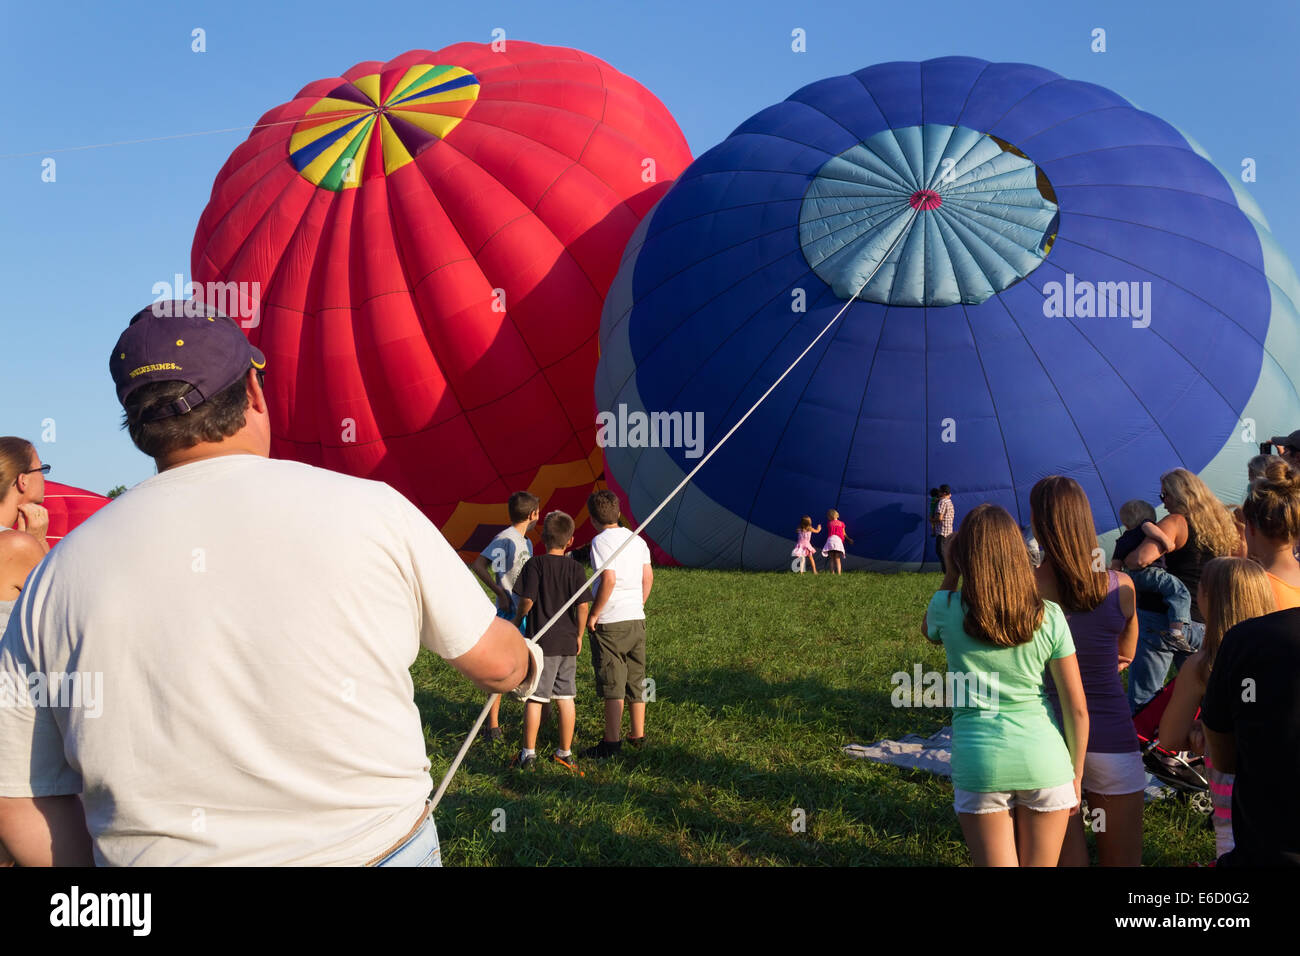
(1016, 780)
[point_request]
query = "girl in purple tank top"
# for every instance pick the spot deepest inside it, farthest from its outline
(1101, 608)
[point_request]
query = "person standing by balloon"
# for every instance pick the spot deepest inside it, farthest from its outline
(261, 708)
(22, 477)
(1271, 515)
(944, 515)
(1200, 528)
(1232, 590)
(1101, 608)
(803, 549)
(836, 538)
(499, 567)
(1016, 782)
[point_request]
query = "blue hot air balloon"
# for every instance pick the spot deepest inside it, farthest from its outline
(1040, 278)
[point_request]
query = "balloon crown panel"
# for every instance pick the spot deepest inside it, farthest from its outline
(926, 215)
(380, 122)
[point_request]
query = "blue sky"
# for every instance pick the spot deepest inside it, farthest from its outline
(78, 256)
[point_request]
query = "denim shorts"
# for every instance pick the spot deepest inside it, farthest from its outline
(419, 849)
(1045, 800)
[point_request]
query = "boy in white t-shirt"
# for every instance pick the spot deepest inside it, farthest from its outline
(620, 588)
(499, 567)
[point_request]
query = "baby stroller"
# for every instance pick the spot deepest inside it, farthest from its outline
(1182, 772)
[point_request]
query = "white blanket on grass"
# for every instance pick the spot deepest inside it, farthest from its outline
(933, 754)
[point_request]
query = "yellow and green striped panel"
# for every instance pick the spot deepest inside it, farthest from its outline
(409, 110)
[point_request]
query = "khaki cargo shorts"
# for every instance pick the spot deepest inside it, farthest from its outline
(620, 661)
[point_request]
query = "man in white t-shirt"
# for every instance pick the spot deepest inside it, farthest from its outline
(232, 641)
(620, 587)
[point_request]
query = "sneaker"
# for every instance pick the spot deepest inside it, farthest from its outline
(493, 733)
(1175, 641)
(523, 761)
(570, 761)
(602, 750)
(636, 743)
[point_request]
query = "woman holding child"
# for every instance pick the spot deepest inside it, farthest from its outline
(1101, 608)
(1200, 529)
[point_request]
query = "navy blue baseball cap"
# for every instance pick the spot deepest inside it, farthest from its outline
(181, 341)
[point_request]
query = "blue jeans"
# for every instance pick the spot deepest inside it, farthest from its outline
(1177, 598)
(1150, 667)
(420, 849)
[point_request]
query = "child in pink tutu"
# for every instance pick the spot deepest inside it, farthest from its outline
(836, 538)
(803, 548)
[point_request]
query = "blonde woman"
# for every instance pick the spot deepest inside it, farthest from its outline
(1016, 782)
(1232, 590)
(1201, 529)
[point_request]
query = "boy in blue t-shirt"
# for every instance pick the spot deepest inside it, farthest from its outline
(499, 567)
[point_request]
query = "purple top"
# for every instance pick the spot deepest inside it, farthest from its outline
(1096, 642)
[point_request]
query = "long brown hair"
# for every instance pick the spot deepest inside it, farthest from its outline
(1063, 525)
(1273, 503)
(15, 458)
(1206, 515)
(1236, 589)
(1003, 607)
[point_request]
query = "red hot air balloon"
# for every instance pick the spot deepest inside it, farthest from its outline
(421, 248)
(68, 507)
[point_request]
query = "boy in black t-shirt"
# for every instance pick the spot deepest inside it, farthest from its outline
(1251, 717)
(544, 585)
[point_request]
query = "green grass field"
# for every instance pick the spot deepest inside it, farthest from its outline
(760, 679)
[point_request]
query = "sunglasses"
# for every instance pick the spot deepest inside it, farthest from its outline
(44, 470)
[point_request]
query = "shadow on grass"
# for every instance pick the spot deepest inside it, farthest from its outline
(681, 802)
(857, 715)
(670, 806)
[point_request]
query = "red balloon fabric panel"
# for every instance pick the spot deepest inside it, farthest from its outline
(68, 507)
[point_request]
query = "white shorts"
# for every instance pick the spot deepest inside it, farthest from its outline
(1114, 774)
(1045, 800)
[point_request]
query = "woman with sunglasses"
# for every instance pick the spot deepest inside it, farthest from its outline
(1201, 529)
(22, 476)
